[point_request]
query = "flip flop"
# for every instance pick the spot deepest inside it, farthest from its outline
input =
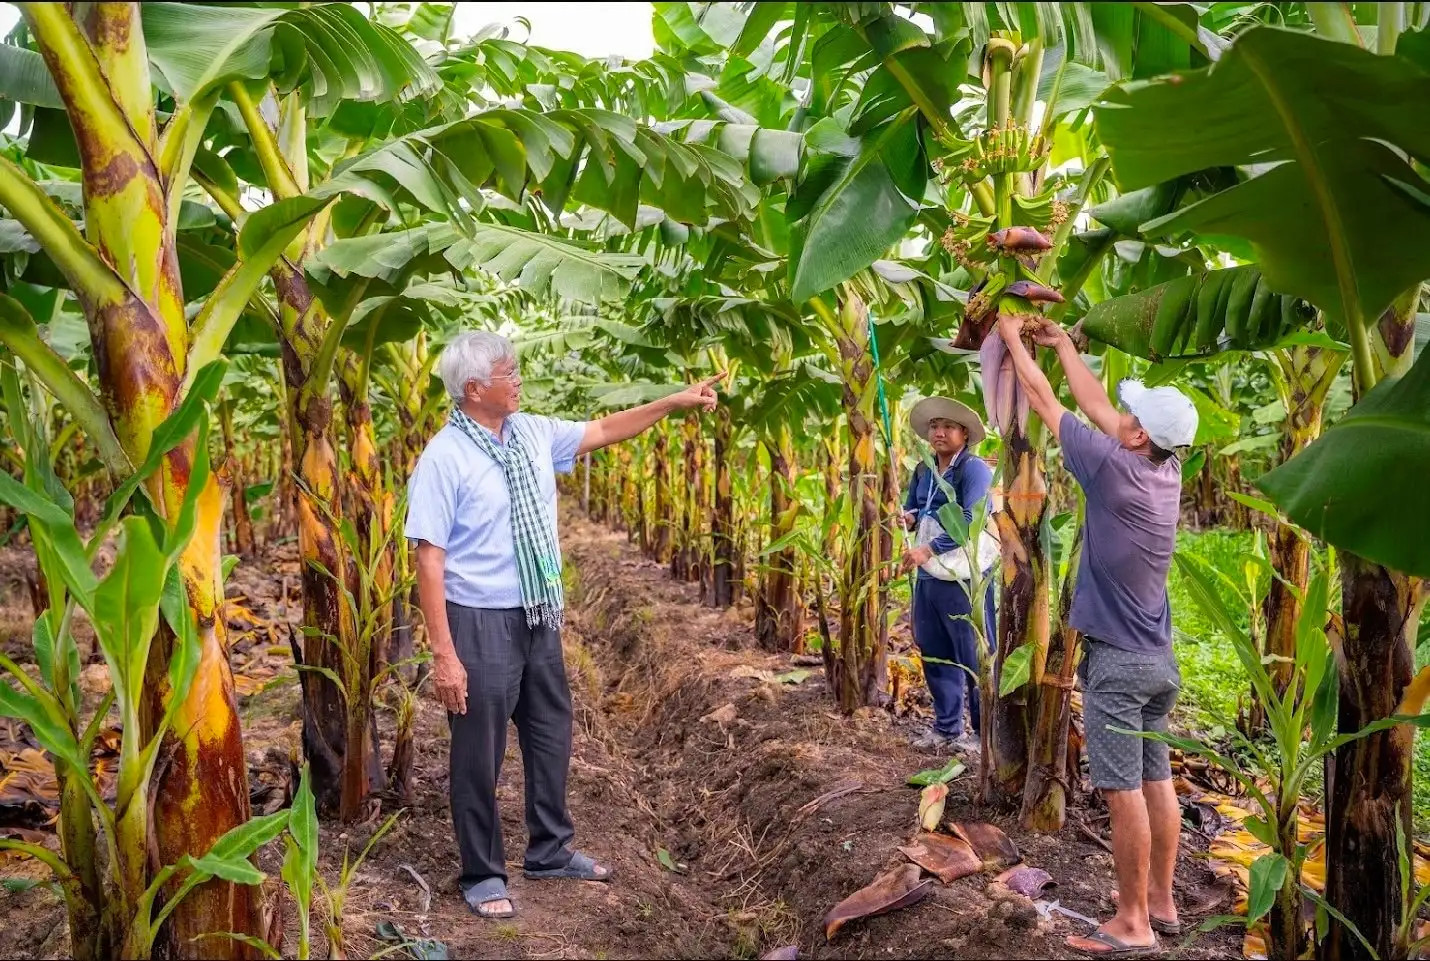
(1171, 929)
(1162, 926)
(487, 892)
(580, 867)
(1116, 947)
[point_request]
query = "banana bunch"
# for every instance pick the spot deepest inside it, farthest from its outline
(1199, 314)
(1013, 148)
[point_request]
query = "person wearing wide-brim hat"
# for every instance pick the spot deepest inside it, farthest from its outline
(947, 641)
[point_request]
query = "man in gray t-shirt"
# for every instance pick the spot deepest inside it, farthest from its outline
(1132, 483)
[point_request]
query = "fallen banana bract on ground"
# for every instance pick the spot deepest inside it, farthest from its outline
(789, 952)
(946, 858)
(994, 848)
(931, 802)
(1026, 880)
(896, 889)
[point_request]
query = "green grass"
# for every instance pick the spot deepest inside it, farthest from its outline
(1213, 682)
(1212, 678)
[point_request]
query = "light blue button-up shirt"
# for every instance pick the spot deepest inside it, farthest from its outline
(457, 500)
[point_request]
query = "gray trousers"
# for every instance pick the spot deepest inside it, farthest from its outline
(1127, 691)
(514, 672)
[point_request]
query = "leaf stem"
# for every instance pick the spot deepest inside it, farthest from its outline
(275, 168)
(77, 259)
(1334, 21)
(1390, 22)
(1176, 26)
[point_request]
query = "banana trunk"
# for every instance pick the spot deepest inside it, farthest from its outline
(328, 626)
(371, 505)
(662, 517)
(238, 504)
(1023, 606)
(860, 666)
(140, 340)
(1049, 782)
(779, 615)
(722, 528)
(1368, 782)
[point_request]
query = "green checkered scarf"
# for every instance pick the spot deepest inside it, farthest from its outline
(537, 559)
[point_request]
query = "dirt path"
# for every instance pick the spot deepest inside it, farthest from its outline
(681, 746)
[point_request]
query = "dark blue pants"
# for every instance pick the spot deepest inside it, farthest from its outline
(938, 634)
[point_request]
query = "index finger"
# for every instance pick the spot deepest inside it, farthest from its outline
(714, 378)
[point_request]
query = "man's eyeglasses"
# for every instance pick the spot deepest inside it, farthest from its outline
(512, 376)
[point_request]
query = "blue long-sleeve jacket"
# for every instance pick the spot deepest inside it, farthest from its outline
(970, 479)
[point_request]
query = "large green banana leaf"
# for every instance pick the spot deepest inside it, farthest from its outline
(596, 157)
(331, 47)
(1341, 219)
(1361, 486)
(1169, 320)
(857, 198)
(540, 263)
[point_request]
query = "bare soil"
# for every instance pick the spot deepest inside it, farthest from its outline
(735, 809)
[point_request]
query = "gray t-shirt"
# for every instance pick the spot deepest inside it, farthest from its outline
(1128, 539)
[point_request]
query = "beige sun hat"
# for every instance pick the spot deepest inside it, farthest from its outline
(946, 408)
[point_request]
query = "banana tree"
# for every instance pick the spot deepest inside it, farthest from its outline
(243, 543)
(781, 409)
(123, 269)
(123, 910)
(865, 179)
(1311, 224)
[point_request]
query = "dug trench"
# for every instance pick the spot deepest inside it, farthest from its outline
(735, 805)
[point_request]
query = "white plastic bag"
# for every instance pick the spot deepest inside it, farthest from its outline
(953, 566)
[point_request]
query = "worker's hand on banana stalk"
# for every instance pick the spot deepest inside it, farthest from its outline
(917, 556)
(1045, 332)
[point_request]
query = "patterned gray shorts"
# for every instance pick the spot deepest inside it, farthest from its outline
(1135, 692)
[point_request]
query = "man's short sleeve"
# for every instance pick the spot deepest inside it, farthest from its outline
(566, 437)
(1084, 450)
(431, 500)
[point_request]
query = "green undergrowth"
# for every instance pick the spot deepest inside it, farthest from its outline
(1214, 686)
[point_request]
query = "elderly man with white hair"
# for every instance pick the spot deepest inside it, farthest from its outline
(482, 512)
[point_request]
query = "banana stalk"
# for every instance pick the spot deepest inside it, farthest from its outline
(310, 339)
(1369, 781)
(722, 529)
(238, 504)
(1305, 376)
(371, 506)
(687, 563)
(662, 513)
(1050, 782)
(779, 615)
(630, 516)
(125, 275)
(857, 671)
(613, 490)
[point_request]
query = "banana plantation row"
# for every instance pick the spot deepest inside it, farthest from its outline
(236, 237)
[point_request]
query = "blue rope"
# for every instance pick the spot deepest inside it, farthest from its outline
(879, 382)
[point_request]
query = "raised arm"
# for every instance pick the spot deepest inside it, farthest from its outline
(625, 424)
(1086, 387)
(1041, 396)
